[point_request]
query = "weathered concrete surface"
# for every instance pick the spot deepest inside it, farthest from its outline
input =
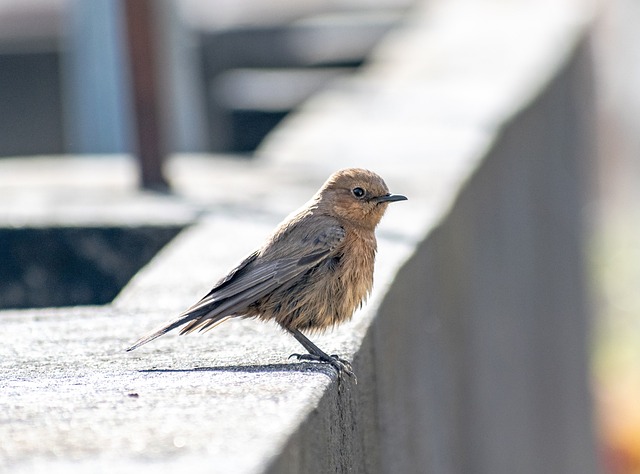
(466, 321)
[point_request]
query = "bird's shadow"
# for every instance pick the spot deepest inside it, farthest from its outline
(302, 367)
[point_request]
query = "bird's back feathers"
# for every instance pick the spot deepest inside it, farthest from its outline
(260, 274)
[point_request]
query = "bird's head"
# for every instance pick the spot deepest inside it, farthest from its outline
(357, 196)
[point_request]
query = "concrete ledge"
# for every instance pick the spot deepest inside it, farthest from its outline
(471, 352)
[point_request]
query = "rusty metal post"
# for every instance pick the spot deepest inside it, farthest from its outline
(143, 49)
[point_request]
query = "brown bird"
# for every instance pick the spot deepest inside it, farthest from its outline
(312, 273)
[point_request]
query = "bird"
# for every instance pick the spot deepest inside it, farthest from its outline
(311, 273)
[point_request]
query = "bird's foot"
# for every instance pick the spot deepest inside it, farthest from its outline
(342, 366)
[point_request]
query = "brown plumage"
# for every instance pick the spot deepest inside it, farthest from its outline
(313, 272)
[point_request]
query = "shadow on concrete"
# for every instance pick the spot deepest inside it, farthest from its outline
(294, 367)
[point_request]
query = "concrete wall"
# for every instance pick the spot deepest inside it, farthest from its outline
(481, 344)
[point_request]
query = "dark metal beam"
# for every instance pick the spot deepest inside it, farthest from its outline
(143, 48)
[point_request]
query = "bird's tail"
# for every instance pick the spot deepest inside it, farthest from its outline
(156, 333)
(184, 318)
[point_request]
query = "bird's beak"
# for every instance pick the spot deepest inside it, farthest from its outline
(390, 198)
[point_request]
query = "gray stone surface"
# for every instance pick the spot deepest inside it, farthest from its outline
(470, 353)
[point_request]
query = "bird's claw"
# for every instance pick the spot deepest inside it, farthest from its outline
(342, 366)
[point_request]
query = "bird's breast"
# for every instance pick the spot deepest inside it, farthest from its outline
(328, 293)
(356, 273)
(346, 283)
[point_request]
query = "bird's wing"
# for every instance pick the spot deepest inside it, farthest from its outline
(256, 276)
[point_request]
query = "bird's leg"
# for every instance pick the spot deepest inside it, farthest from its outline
(317, 354)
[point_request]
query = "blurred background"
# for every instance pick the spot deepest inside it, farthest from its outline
(84, 77)
(228, 70)
(615, 249)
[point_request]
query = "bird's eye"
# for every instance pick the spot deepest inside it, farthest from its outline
(358, 192)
